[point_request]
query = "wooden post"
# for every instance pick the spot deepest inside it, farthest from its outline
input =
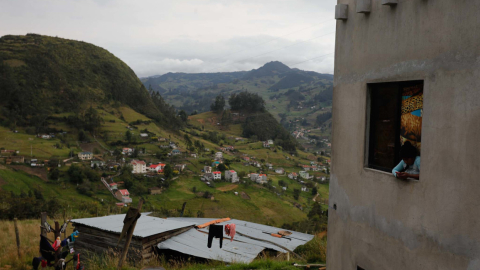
(64, 221)
(128, 238)
(17, 235)
(57, 234)
(43, 219)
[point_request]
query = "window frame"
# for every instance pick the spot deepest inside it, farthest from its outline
(368, 125)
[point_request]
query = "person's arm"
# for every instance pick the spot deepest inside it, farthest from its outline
(416, 176)
(398, 168)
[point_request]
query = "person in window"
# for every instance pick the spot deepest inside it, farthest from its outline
(410, 164)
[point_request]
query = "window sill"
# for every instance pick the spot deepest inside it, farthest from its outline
(390, 174)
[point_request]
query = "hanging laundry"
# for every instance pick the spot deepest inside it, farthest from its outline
(37, 261)
(65, 242)
(79, 263)
(215, 231)
(46, 249)
(64, 227)
(230, 230)
(73, 236)
(57, 244)
(47, 227)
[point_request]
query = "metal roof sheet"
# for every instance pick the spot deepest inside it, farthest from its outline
(258, 231)
(194, 243)
(198, 245)
(146, 225)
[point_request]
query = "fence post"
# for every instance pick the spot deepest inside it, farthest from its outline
(17, 236)
(129, 238)
(43, 219)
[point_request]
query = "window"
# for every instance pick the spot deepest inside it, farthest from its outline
(395, 116)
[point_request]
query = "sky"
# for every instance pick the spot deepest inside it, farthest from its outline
(155, 37)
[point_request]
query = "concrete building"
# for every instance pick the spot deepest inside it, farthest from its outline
(217, 175)
(138, 166)
(85, 155)
(207, 169)
(231, 175)
(375, 220)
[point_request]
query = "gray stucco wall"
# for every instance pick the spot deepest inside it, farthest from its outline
(382, 222)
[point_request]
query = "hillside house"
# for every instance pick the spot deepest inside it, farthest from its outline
(304, 189)
(230, 148)
(246, 158)
(193, 155)
(155, 190)
(45, 136)
(208, 177)
(138, 166)
(408, 73)
(270, 142)
(113, 186)
(304, 174)
(306, 168)
(279, 170)
(123, 195)
(231, 176)
(207, 169)
(180, 167)
(98, 163)
(85, 155)
(262, 179)
(218, 155)
(162, 139)
(157, 168)
(17, 159)
(254, 176)
(293, 175)
(217, 175)
(127, 151)
(176, 152)
(144, 135)
(284, 188)
(265, 144)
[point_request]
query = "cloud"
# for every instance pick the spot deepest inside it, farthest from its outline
(156, 37)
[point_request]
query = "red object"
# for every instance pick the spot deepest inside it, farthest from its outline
(230, 230)
(44, 264)
(57, 244)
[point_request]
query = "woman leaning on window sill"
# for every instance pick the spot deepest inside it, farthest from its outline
(409, 166)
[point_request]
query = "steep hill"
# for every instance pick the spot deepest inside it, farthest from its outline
(41, 75)
(300, 100)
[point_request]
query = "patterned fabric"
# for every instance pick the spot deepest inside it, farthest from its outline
(412, 112)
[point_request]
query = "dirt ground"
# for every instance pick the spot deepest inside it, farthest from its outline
(40, 172)
(228, 188)
(90, 146)
(245, 196)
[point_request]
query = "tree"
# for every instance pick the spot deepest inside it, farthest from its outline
(128, 136)
(81, 136)
(314, 191)
(168, 171)
(183, 115)
(221, 167)
(296, 194)
(218, 105)
(54, 174)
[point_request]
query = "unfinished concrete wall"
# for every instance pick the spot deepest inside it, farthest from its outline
(381, 222)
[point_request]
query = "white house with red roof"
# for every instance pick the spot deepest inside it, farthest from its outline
(262, 179)
(127, 151)
(113, 186)
(138, 166)
(156, 167)
(232, 176)
(123, 195)
(217, 175)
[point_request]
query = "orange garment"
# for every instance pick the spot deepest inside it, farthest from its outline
(212, 222)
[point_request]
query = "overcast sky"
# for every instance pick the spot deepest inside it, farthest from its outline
(155, 36)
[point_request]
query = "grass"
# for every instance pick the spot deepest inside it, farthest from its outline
(313, 251)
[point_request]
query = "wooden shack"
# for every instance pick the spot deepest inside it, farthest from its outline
(100, 235)
(155, 190)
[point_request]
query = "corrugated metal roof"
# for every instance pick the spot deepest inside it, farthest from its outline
(258, 231)
(146, 226)
(194, 243)
(242, 249)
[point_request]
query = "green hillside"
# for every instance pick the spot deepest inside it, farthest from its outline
(300, 100)
(41, 76)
